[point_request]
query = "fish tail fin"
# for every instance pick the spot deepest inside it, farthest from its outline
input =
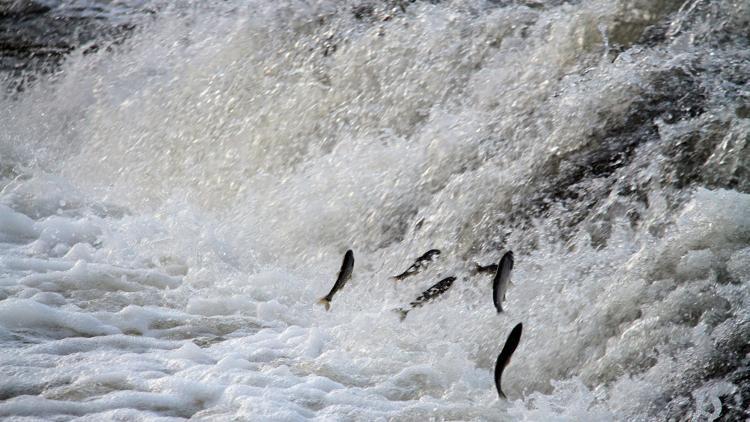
(501, 394)
(325, 302)
(401, 313)
(499, 308)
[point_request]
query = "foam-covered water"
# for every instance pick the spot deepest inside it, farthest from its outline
(172, 209)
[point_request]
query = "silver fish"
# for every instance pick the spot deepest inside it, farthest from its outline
(345, 273)
(502, 280)
(503, 359)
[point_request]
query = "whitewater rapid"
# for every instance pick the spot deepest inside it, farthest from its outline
(173, 206)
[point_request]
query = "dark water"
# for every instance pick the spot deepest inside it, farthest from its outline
(36, 36)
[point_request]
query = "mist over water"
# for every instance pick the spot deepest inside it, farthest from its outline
(173, 206)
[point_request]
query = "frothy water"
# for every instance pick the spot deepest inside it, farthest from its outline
(173, 207)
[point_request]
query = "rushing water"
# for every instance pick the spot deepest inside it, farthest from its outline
(173, 206)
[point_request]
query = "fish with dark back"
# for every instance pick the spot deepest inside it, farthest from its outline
(500, 284)
(419, 265)
(503, 359)
(428, 295)
(345, 273)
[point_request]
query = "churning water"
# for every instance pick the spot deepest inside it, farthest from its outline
(173, 205)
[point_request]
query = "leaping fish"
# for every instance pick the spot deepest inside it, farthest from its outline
(502, 280)
(503, 359)
(420, 264)
(345, 273)
(428, 295)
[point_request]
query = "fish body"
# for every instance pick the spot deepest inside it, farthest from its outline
(504, 357)
(502, 280)
(345, 273)
(420, 264)
(429, 295)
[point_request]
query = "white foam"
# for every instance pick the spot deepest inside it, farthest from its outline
(36, 265)
(696, 264)
(15, 227)
(41, 195)
(739, 265)
(708, 404)
(99, 276)
(55, 230)
(25, 313)
(219, 306)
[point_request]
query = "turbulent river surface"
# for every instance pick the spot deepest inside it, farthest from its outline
(176, 196)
